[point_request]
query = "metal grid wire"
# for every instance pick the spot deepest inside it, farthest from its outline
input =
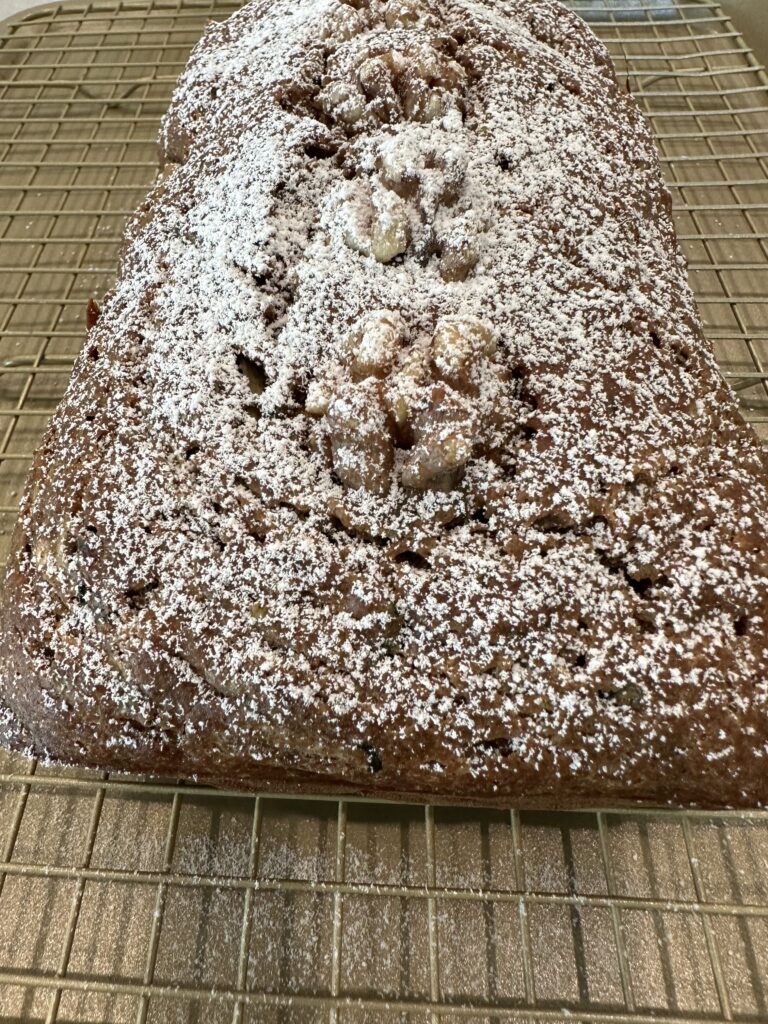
(124, 899)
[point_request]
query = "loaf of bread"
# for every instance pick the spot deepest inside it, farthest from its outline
(396, 461)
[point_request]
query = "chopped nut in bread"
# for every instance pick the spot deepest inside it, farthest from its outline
(375, 222)
(361, 445)
(458, 345)
(375, 344)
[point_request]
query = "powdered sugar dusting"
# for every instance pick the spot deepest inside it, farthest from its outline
(397, 454)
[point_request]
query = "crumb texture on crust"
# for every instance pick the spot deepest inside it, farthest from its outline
(397, 453)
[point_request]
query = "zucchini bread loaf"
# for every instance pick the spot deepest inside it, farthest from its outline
(396, 461)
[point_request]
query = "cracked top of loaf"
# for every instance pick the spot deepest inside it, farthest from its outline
(397, 458)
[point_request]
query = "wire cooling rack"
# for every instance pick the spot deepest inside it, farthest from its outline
(124, 899)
